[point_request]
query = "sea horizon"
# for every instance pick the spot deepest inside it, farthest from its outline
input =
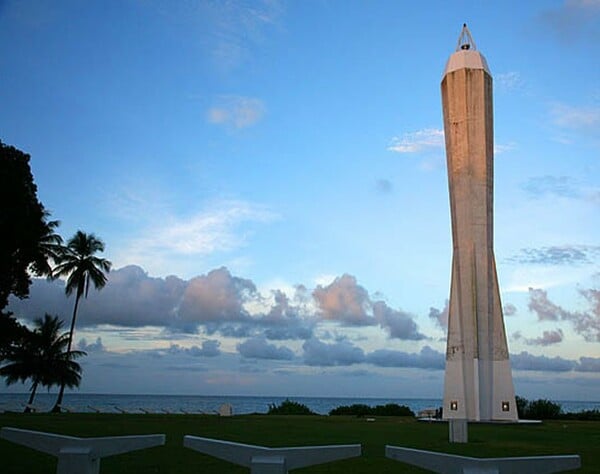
(209, 404)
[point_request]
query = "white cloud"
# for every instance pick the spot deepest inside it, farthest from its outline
(430, 139)
(421, 140)
(500, 148)
(236, 111)
(238, 27)
(220, 227)
(578, 118)
(227, 32)
(546, 339)
(508, 81)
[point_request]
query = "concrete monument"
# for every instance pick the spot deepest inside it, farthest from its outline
(79, 455)
(263, 460)
(478, 381)
(453, 464)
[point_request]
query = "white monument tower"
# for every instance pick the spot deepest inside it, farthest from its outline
(478, 381)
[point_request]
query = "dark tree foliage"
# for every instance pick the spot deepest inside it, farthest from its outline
(22, 223)
(390, 409)
(12, 335)
(538, 409)
(289, 407)
(522, 404)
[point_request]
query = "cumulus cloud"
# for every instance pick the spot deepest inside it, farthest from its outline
(509, 309)
(589, 364)
(96, 346)
(546, 339)
(209, 348)
(440, 316)
(217, 302)
(428, 358)
(543, 308)
(345, 301)
(289, 319)
(527, 361)
(259, 348)
(130, 298)
(217, 296)
(317, 353)
(421, 140)
(236, 111)
(588, 323)
(348, 303)
(345, 353)
(585, 323)
(398, 323)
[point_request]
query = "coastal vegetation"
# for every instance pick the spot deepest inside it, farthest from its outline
(543, 409)
(485, 440)
(389, 409)
(538, 409)
(289, 407)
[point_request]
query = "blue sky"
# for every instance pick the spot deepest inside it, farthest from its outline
(269, 178)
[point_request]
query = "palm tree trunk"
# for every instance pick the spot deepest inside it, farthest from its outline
(72, 329)
(59, 399)
(31, 397)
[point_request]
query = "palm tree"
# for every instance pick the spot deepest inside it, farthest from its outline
(50, 248)
(43, 359)
(80, 265)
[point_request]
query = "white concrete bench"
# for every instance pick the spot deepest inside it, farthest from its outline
(452, 464)
(79, 455)
(262, 460)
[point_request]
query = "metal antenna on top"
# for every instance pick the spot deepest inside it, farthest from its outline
(465, 40)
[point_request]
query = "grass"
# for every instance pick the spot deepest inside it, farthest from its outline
(552, 437)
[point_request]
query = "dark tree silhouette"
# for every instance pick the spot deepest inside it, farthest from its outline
(22, 223)
(79, 263)
(50, 248)
(42, 358)
(12, 335)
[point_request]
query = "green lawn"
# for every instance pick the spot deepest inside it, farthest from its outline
(553, 437)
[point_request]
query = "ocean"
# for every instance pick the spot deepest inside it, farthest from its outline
(108, 403)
